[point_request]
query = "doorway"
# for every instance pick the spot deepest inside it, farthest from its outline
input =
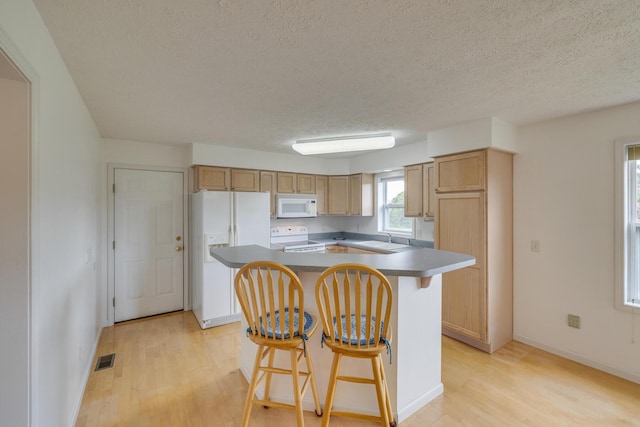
(148, 242)
(15, 251)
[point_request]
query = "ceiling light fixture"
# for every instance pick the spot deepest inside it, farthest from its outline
(344, 144)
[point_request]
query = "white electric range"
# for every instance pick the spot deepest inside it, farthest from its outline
(294, 238)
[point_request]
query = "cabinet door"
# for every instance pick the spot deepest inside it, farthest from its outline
(336, 249)
(338, 195)
(322, 192)
(245, 180)
(361, 194)
(355, 195)
(428, 190)
(286, 182)
(413, 185)
(352, 250)
(212, 178)
(461, 172)
(460, 227)
(268, 181)
(305, 184)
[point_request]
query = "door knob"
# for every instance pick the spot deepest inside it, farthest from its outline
(178, 248)
(178, 238)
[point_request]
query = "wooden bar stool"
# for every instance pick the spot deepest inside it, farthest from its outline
(272, 301)
(354, 302)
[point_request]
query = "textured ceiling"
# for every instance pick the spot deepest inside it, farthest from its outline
(261, 74)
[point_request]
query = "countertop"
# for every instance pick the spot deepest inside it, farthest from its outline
(412, 262)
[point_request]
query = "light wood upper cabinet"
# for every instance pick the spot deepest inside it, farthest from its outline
(287, 182)
(300, 183)
(413, 184)
(428, 190)
(305, 184)
(245, 180)
(211, 178)
(419, 190)
(477, 301)
(339, 195)
(361, 194)
(322, 194)
(461, 172)
(268, 182)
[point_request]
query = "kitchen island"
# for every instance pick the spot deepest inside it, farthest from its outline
(414, 376)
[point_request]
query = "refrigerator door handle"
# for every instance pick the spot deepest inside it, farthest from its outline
(235, 220)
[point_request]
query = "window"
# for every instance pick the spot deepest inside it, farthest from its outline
(627, 237)
(391, 205)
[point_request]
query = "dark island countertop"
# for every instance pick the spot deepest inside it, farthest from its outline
(418, 262)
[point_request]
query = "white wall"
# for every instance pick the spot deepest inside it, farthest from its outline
(14, 250)
(563, 197)
(146, 154)
(203, 154)
(473, 135)
(393, 158)
(65, 224)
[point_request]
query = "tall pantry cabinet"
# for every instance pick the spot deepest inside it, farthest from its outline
(474, 215)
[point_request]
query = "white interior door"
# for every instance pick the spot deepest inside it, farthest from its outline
(149, 243)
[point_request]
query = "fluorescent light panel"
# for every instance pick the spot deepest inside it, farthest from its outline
(344, 144)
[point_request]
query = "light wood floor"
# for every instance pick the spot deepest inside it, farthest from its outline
(168, 372)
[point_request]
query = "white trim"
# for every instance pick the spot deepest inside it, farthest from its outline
(631, 376)
(110, 231)
(380, 179)
(33, 341)
(85, 379)
(619, 225)
(419, 403)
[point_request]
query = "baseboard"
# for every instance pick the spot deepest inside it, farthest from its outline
(419, 403)
(222, 320)
(87, 373)
(633, 377)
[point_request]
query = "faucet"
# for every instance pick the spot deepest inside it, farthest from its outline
(389, 240)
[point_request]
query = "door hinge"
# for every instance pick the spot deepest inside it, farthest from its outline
(114, 244)
(113, 188)
(114, 301)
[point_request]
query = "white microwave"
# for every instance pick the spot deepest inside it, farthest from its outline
(296, 206)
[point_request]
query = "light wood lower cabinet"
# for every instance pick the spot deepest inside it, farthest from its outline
(461, 228)
(477, 301)
(340, 249)
(336, 249)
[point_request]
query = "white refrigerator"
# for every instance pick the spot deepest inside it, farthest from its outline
(222, 218)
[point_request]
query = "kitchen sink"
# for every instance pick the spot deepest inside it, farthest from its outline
(376, 244)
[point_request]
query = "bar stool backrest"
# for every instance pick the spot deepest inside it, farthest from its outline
(272, 300)
(361, 297)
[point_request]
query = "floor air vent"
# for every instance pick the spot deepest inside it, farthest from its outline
(105, 362)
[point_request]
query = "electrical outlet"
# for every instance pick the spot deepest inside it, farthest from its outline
(535, 246)
(573, 321)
